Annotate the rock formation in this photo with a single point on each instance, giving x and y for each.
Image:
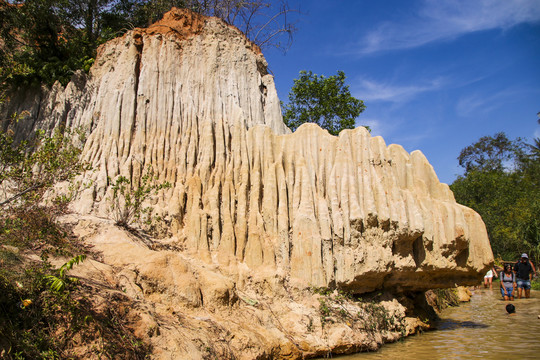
(190, 97)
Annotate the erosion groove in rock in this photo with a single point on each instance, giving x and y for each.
(190, 97)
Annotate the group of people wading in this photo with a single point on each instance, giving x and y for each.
(514, 277)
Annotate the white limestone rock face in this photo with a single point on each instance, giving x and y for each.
(190, 97)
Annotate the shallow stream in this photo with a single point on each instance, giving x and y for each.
(480, 329)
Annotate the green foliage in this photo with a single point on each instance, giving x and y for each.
(323, 308)
(368, 316)
(127, 202)
(30, 169)
(535, 284)
(44, 313)
(44, 41)
(490, 153)
(502, 183)
(379, 318)
(325, 101)
(321, 290)
(59, 282)
(37, 322)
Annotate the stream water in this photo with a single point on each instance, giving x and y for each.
(480, 329)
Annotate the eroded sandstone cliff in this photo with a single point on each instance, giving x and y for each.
(191, 98)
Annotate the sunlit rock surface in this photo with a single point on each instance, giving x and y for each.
(256, 214)
(190, 97)
(253, 208)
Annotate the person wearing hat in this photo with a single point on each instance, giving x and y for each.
(524, 272)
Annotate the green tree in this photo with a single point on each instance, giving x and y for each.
(44, 41)
(47, 40)
(502, 183)
(491, 153)
(325, 101)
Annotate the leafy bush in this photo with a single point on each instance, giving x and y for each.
(127, 202)
(37, 322)
(535, 284)
(31, 168)
(371, 317)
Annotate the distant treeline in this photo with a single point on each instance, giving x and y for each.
(502, 183)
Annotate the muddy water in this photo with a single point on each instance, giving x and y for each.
(480, 329)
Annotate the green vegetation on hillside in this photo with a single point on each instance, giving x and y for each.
(43, 41)
(502, 183)
(44, 312)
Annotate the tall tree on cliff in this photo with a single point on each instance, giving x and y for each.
(325, 101)
(87, 15)
(502, 183)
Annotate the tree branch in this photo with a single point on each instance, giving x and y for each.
(16, 196)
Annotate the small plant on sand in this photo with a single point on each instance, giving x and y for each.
(323, 308)
(127, 202)
(59, 282)
(370, 316)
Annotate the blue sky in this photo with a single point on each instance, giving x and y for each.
(435, 75)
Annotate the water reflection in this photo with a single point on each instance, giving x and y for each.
(452, 324)
(480, 329)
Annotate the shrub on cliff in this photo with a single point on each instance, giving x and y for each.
(30, 168)
(127, 201)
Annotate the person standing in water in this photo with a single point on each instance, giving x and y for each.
(508, 283)
(488, 279)
(524, 273)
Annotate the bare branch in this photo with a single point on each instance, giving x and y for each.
(252, 17)
(18, 195)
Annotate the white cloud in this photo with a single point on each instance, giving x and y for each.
(476, 103)
(471, 104)
(369, 90)
(439, 20)
(377, 127)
